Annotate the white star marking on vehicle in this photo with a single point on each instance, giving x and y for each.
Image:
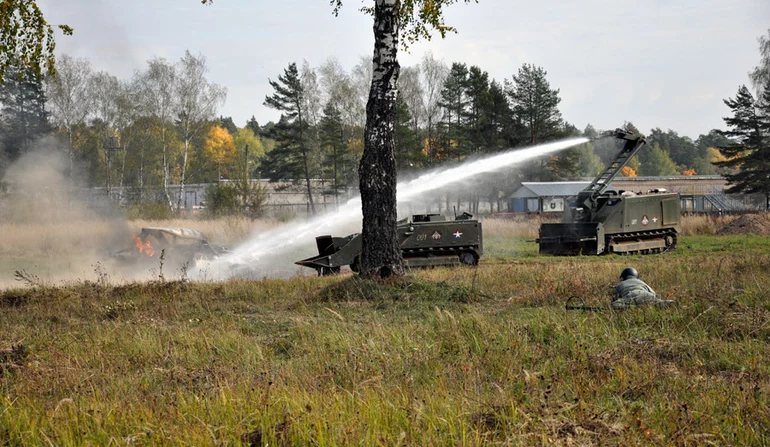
(457, 234)
(655, 219)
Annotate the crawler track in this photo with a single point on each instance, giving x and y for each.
(668, 238)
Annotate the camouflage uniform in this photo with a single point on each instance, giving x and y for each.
(634, 291)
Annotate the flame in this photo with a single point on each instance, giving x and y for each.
(143, 246)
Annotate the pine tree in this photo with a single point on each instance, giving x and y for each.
(290, 133)
(285, 161)
(254, 126)
(476, 116)
(228, 123)
(565, 166)
(338, 161)
(454, 102)
(23, 118)
(407, 143)
(750, 151)
(535, 104)
(500, 119)
(682, 150)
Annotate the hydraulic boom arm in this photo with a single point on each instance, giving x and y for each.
(633, 142)
(632, 145)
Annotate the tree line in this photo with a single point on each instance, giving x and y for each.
(161, 127)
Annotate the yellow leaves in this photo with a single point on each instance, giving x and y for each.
(26, 39)
(432, 148)
(688, 172)
(356, 146)
(220, 146)
(628, 171)
(714, 155)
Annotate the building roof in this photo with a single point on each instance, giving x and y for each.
(549, 189)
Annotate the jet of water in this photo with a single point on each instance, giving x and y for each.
(268, 253)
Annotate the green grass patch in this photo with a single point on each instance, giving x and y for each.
(460, 356)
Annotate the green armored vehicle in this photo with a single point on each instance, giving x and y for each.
(425, 240)
(605, 221)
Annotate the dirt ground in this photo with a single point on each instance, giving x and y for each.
(749, 224)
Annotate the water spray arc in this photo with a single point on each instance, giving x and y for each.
(262, 253)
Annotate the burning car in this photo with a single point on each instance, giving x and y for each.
(179, 245)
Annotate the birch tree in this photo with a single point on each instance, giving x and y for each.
(760, 75)
(106, 92)
(338, 89)
(157, 89)
(197, 101)
(26, 39)
(393, 19)
(410, 87)
(126, 117)
(70, 99)
(362, 83)
(433, 75)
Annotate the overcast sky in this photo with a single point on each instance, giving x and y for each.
(656, 63)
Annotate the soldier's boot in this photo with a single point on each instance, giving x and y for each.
(621, 304)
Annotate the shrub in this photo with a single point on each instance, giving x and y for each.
(240, 198)
(222, 200)
(149, 211)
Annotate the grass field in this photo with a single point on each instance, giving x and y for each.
(464, 356)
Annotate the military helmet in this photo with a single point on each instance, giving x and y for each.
(628, 272)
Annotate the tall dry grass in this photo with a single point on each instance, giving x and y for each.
(524, 228)
(65, 238)
(705, 224)
(77, 237)
(464, 356)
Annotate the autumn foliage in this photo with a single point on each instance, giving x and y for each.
(220, 146)
(628, 171)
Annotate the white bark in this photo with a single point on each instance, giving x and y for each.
(69, 98)
(380, 254)
(197, 101)
(434, 74)
(156, 92)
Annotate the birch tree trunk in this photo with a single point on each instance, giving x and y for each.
(166, 169)
(381, 255)
(183, 180)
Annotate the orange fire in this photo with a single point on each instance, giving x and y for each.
(143, 246)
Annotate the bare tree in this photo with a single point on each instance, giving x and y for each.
(411, 91)
(70, 99)
(338, 89)
(312, 96)
(433, 73)
(760, 75)
(106, 90)
(156, 88)
(362, 82)
(197, 101)
(332, 77)
(127, 112)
